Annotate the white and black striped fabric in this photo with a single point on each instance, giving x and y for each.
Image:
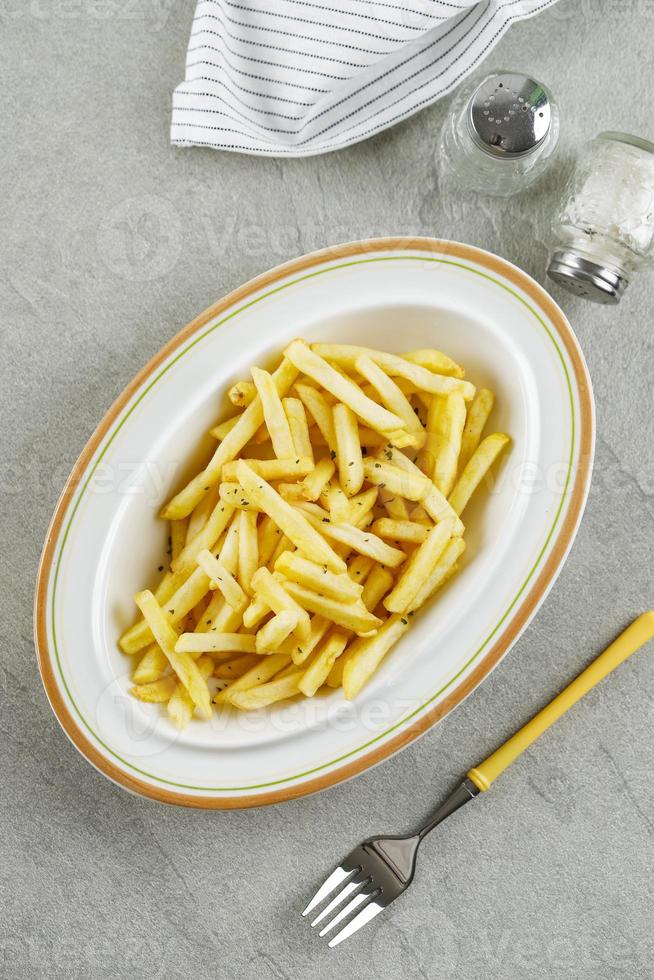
(299, 77)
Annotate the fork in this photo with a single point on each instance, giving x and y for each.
(380, 869)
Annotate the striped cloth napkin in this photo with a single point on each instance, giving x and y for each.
(299, 77)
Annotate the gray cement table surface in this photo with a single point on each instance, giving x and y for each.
(548, 876)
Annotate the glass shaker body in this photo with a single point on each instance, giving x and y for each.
(605, 229)
(499, 134)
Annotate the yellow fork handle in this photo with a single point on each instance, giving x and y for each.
(640, 631)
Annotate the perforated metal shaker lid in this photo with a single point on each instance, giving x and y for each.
(586, 278)
(509, 114)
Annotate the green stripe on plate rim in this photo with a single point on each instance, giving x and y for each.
(475, 655)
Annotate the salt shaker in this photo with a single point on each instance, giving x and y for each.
(605, 228)
(500, 134)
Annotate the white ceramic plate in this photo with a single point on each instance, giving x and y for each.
(105, 541)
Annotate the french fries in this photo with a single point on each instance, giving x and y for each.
(419, 566)
(183, 503)
(301, 552)
(478, 412)
(445, 421)
(293, 524)
(476, 469)
(273, 414)
(297, 420)
(183, 665)
(215, 643)
(348, 450)
(345, 390)
(317, 577)
(399, 367)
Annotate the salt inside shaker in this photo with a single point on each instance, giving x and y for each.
(499, 134)
(605, 229)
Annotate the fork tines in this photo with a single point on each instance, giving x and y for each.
(354, 900)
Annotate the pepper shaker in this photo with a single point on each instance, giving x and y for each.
(500, 134)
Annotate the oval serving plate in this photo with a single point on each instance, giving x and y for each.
(105, 541)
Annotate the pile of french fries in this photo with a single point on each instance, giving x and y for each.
(328, 515)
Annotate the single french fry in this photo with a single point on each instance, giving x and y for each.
(378, 583)
(255, 612)
(178, 531)
(236, 496)
(359, 568)
(297, 420)
(445, 421)
(284, 544)
(291, 468)
(274, 414)
(290, 491)
(196, 614)
(223, 429)
(170, 581)
(218, 520)
(213, 612)
(262, 436)
(404, 483)
(391, 395)
(343, 388)
(242, 393)
(439, 574)
(156, 692)
(248, 550)
(335, 675)
(476, 469)
(231, 669)
(228, 554)
(400, 530)
(365, 655)
(183, 502)
(257, 675)
(294, 524)
(419, 567)
(151, 666)
(179, 604)
(317, 671)
(183, 664)
(363, 542)
(339, 508)
(225, 620)
(269, 534)
(222, 579)
(316, 481)
(180, 708)
(199, 517)
(370, 439)
(348, 449)
(362, 504)
(320, 411)
(270, 637)
(436, 361)
(425, 380)
(296, 568)
(272, 590)
(215, 643)
(353, 616)
(478, 412)
(265, 694)
(394, 505)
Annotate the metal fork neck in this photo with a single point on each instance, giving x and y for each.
(464, 792)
